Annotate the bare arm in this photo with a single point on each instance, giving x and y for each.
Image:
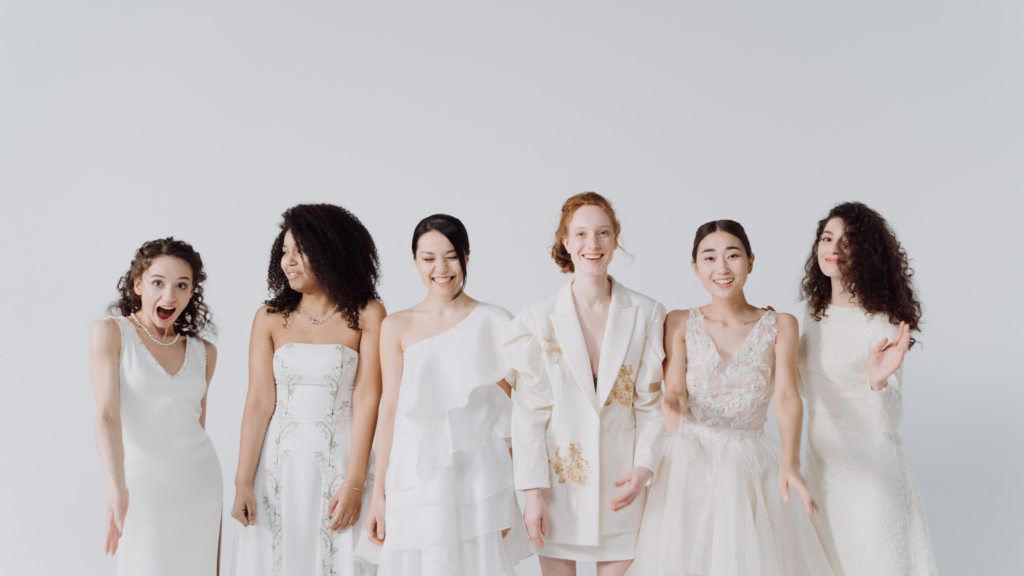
(391, 364)
(259, 408)
(211, 365)
(674, 405)
(789, 409)
(104, 355)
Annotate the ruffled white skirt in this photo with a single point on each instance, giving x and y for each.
(716, 510)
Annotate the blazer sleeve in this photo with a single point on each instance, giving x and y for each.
(531, 403)
(650, 425)
(887, 403)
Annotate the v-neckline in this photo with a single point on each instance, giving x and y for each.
(714, 344)
(188, 346)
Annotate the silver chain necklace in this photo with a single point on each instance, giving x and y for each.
(322, 320)
(139, 324)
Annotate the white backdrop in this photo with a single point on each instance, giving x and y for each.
(121, 123)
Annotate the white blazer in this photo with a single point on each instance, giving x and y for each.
(571, 440)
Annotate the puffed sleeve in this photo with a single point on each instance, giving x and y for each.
(531, 403)
(887, 403)
(650, 425)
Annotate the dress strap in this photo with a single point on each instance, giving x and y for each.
(123, 326)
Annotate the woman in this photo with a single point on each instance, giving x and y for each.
(861, 308)
(151, 386)
(444, 500)
(314, 388)
(721, 504)
(585, 421)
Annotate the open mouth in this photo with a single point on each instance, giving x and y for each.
(724, 283)
(443, 280)
(832, 261)
(592, 257)
(164, 314)
(292, 275)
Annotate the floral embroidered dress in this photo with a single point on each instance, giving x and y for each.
(715, 509)
(872, 521)
(448, 487)
(303, 463)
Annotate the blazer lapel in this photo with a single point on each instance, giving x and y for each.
(617, 336)
(570, 337)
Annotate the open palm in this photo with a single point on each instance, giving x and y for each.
(885, 357)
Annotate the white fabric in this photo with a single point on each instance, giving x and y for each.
(872, 521)
(448, 489)
(572, 441)
(171, 470)
(715, 509)
(303, 463)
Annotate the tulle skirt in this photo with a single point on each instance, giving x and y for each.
(716, 510)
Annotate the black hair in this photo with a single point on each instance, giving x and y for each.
(341, 253)
(727, 226)
(454, 231)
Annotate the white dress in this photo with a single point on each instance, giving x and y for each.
(715, 508)
(872, 521)
(303, 463)
(175, 490)
(449, 481)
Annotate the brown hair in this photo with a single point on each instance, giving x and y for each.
(728, 226)
(569, 207)
(196, 319)
(875, 268)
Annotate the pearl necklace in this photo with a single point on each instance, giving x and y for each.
(139, 324)
(322, 320)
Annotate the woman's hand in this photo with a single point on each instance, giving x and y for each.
(536, 517)
(244, 508)
(637, 479)
(885, 357)
(789, 477)
(343, 511)
(117, 509)
(673, 407)
(375, 520)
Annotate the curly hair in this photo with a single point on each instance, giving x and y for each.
(569, 207)
(341, 253)
(875, 268)
(455, 231)
(196, 319)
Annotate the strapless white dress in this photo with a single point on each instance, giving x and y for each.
(303, 463)
(715, 508)
(175, 489)
(449, 482)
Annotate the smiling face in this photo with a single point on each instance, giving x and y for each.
(438, 264)
(829, 248)
(165, 288)
(296, 266)
(591, 241)
(722, 264)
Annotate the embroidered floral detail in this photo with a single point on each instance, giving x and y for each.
(549, 346)
(622, 392)
(572, 467)
(275, 470)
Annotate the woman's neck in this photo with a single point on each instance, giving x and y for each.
(840, 297)
(591, 292)
(317, 304)
(443, 305)
(730, 311)
(146, 321)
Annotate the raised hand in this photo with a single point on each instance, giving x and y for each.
(789, 477)
(885, 357)
(117, 509)
(536, 517)
(637, 479)
(374, 522)
(343, 510)
(244, 508)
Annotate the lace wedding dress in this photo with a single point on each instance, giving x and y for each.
(871, 522)
(715, 508)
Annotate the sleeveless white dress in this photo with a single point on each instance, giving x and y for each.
(175, 490)
(872, 521)
(715, 508)
(303, 463)
(449, 482)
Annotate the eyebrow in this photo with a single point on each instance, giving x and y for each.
(828, 232)
(432, 254)
(712, 249)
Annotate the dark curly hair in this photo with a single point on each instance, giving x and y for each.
(341, 253)
(196, 319)
(875, 268)
(455, 231)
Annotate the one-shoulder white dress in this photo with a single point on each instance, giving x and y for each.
(175, 489)
(715, 508)
(303, 463)
(449, 487)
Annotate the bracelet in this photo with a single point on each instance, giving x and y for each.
(351, 487)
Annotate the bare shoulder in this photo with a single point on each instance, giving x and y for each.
(396, 322)
(211, 350)
(105, 336)
(787, 322)
(676, 320)
(372, 315)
